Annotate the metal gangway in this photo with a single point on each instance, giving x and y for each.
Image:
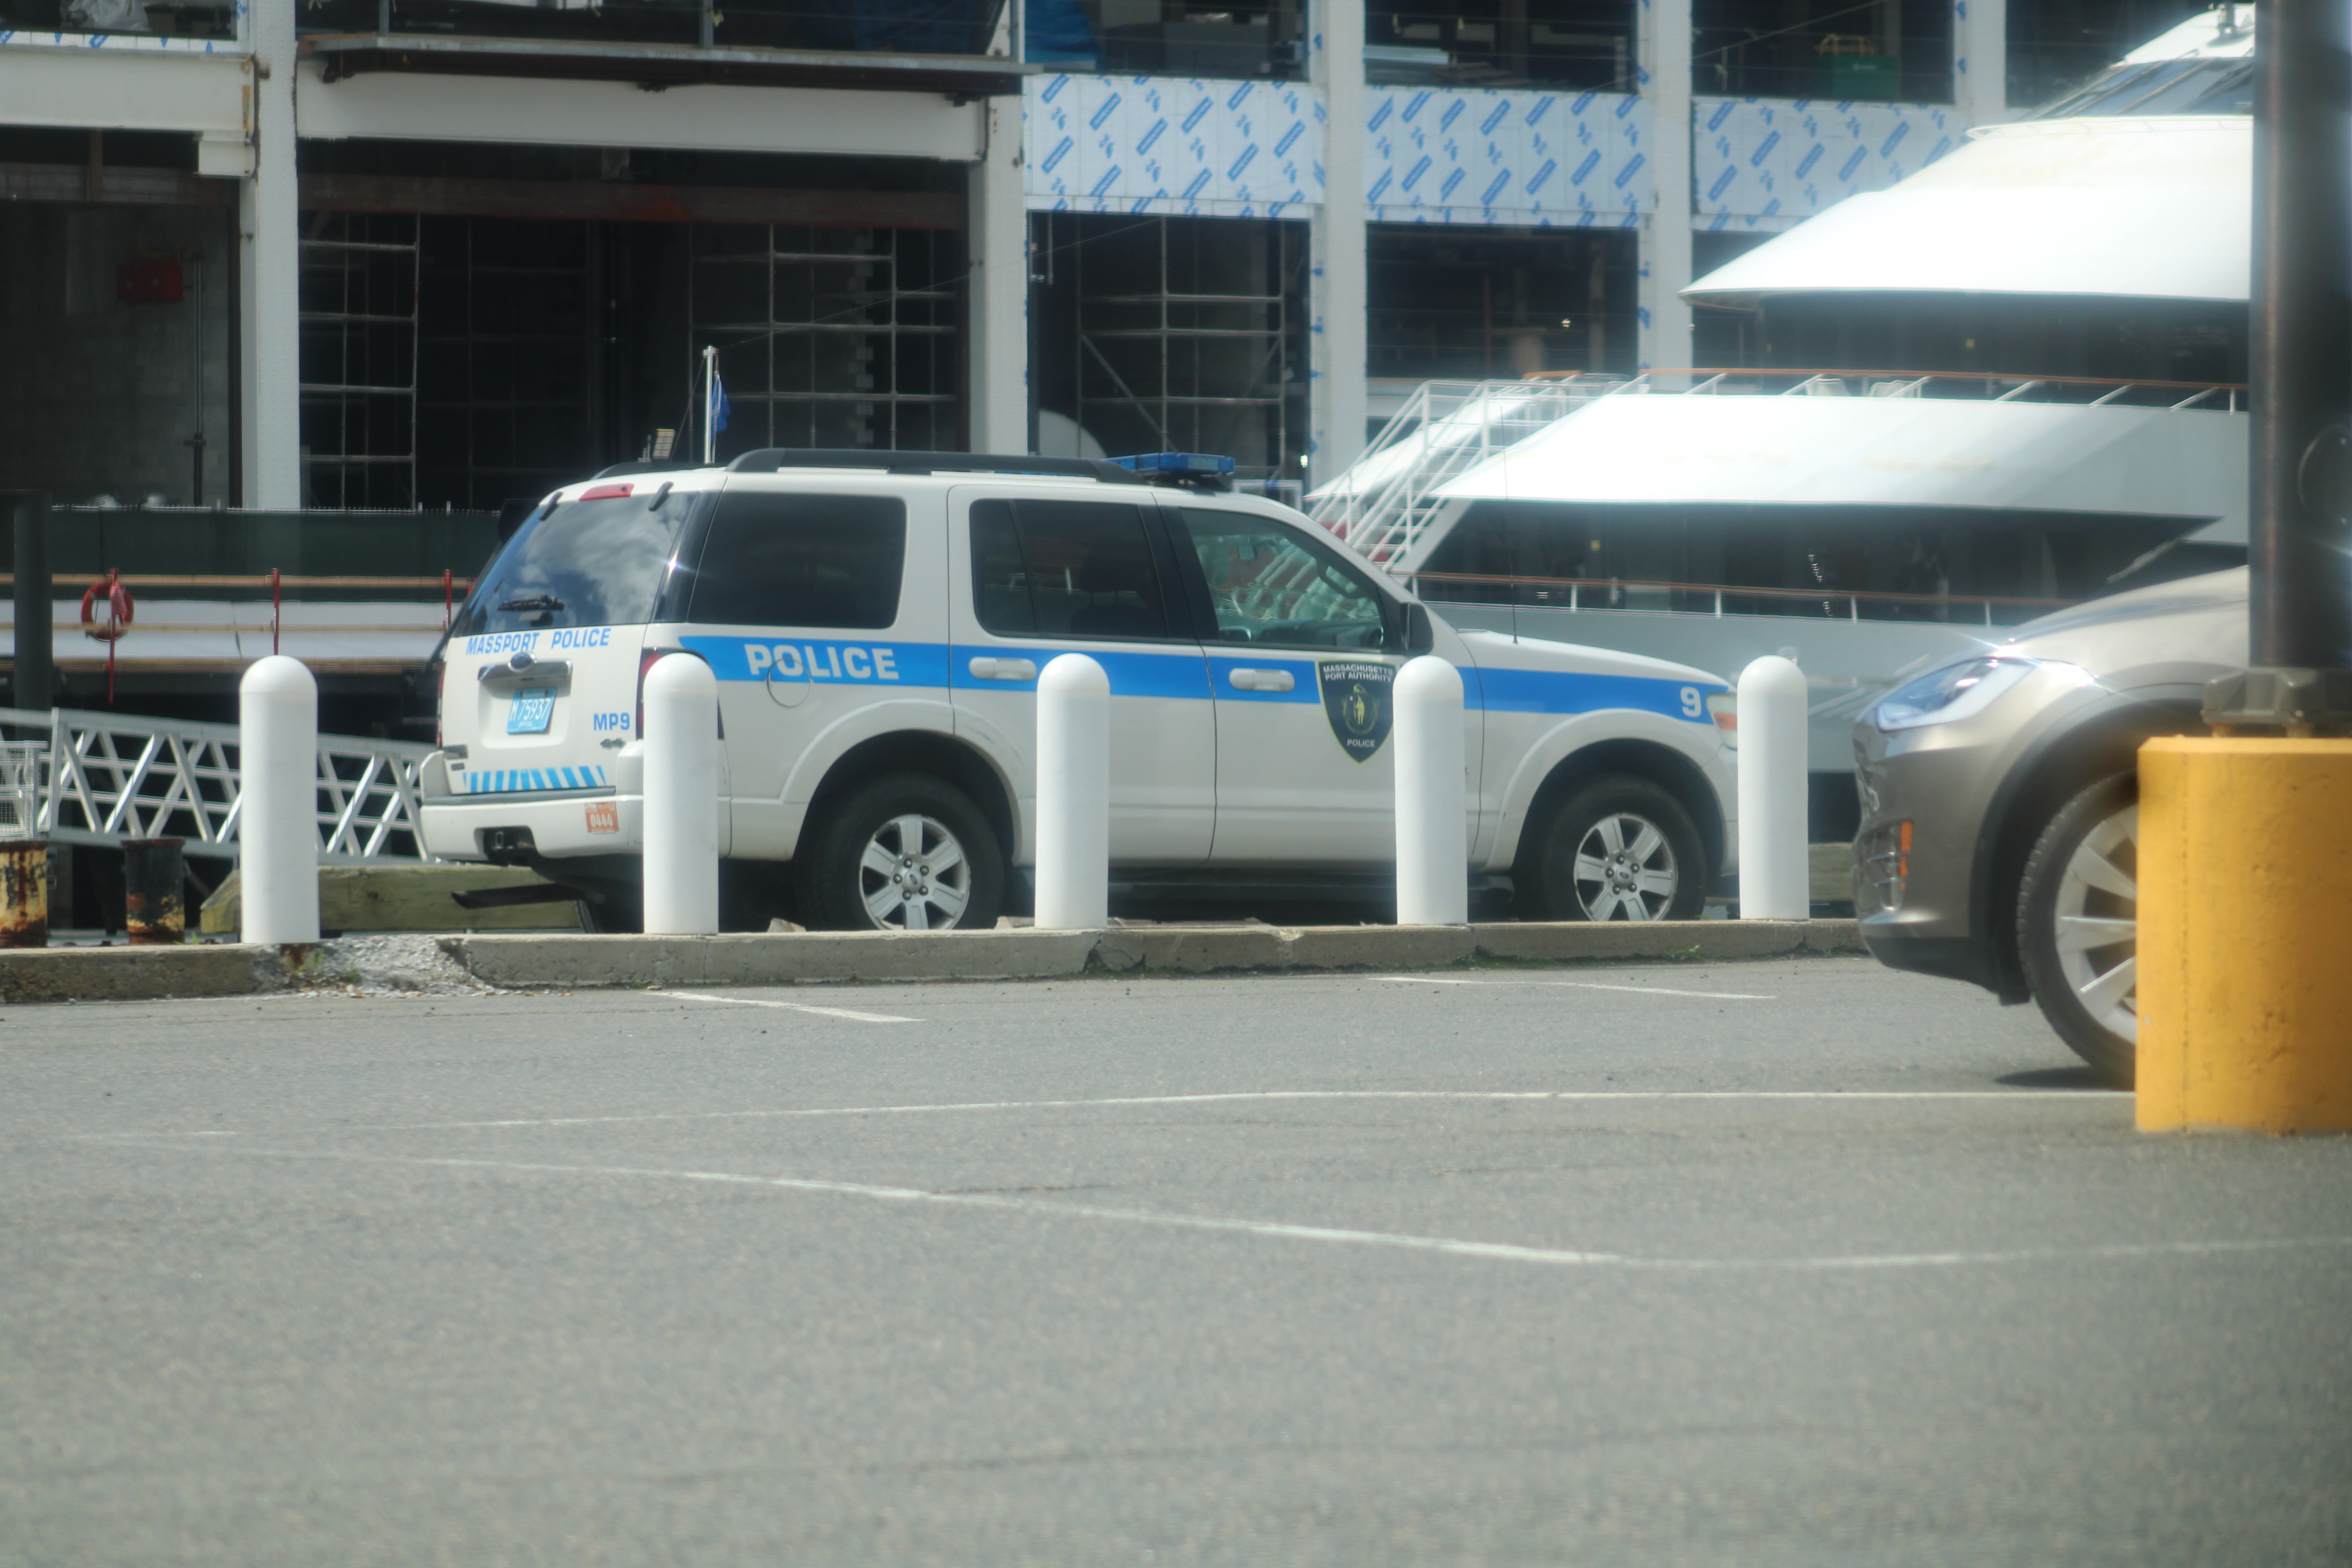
(100, 778)
(1380, 506)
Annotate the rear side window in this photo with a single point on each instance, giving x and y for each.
(580, 563)
(802, 561)
(1065, 569)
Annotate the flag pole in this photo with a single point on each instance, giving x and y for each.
(709, 379)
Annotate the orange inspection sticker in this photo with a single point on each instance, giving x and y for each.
(603, 817)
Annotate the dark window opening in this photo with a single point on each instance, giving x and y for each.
(802, 560)
(1446, 304)
(1254, 39)
(1065, 569)
(1894, 50)
(1501, 43)
(895, 26)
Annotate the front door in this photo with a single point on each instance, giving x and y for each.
(1034, 576)
(1306, 659)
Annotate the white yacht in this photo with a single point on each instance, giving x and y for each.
(2012, 382)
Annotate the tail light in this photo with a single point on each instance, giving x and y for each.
(646, 661)
(1722, 707)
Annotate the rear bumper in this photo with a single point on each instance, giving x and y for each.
(560, 824)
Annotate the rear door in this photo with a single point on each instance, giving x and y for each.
(1035, 576)
(540, 683)
(819, 614)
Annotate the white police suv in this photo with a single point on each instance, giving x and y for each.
(876, 621)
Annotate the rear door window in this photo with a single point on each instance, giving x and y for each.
(834, 561)
(580, 563)
(1065, 569)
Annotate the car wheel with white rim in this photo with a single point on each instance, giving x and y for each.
(908, 852)
(1619, 848)
(2078, 925)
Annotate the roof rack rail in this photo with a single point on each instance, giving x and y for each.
(649, 466)
(769, 459)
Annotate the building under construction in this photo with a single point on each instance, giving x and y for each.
(386, 256)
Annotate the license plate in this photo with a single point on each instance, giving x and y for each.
(532, 711)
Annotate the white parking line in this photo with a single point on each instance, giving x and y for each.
(794, 1007)
(1577, 986)
(1562, 1096)
(1505, 1252)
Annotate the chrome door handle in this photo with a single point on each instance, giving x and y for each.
(1004, 669)
(1261, 679)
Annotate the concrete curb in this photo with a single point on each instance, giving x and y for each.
(579, 962)
(140, 973)
(565, 962)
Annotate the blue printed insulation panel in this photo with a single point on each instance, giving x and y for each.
(1766, 162)
(1169, 145)
(1496, 156)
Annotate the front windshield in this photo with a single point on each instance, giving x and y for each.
(2161, 87)
(580, 563)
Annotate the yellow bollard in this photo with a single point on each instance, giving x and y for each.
(2245, 934)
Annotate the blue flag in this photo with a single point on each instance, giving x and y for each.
(719, 407)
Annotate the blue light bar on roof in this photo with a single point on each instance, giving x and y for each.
(1177, 463)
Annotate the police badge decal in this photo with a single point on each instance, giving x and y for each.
(1356, 700)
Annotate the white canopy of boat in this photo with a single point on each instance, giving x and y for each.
(2155, 207)
(1883, 452)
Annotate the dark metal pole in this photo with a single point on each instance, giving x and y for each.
(36, 642)
(2302, 600)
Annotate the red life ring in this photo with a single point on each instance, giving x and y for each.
(119, 609)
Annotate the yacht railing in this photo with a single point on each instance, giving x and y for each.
(2087, 390)
(1608, 593)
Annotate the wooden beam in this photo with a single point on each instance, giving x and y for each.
(617, 201)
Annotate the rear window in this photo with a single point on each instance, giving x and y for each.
(1065, 569)
(802, 561)
(580, 563)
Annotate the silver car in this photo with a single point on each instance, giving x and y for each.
(2000, 802)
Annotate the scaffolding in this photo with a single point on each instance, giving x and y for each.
(1185, 336)
(358, 309)
(840, 338)
(510, 371)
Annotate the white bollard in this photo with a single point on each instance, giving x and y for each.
(1433, 847)
(1775, 878)
(278, 813)
(681, 873)
(1073, 795)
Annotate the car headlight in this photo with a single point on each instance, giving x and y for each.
(1956, 691)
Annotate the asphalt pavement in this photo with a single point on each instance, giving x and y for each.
(1776, 1263)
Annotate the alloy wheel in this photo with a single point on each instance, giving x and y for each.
(914, 875)
(1625, 870)
(2097, 923)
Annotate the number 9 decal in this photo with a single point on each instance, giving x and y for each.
(1692, 706)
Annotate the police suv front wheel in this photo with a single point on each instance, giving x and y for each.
(1618, 848)
(906, 852)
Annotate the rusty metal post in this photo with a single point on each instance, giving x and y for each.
(23, 892)
(154, 903)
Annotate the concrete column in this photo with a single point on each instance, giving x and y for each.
(1981, 60)
(997, 238)
(268, 275)
(1336, 304)
(1664, 46)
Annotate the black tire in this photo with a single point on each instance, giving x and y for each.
(1667, 880)
(836, 882)
(2086, 987)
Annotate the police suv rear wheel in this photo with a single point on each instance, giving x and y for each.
(908, 852)
(1619, 848)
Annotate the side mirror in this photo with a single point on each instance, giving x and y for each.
(1420, 636)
